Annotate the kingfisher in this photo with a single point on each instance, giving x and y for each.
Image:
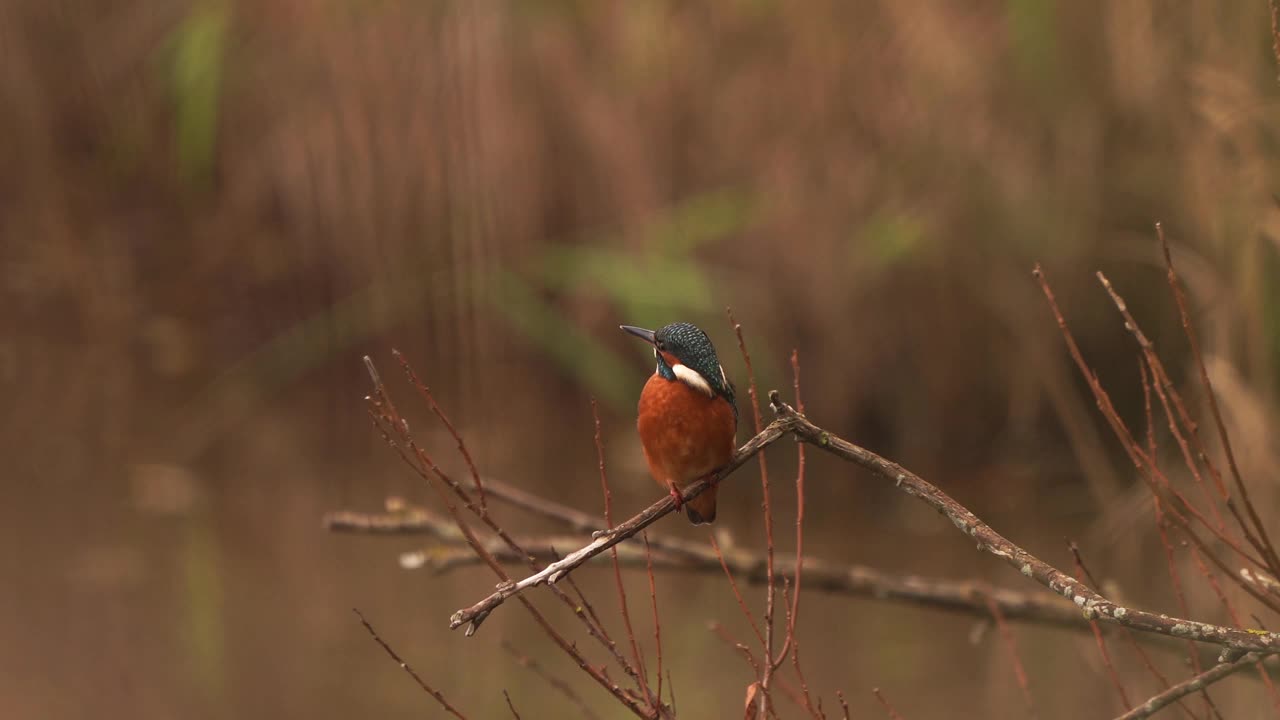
(687, 419)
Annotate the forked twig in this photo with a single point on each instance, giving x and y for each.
(1268, 550)
(395, 430)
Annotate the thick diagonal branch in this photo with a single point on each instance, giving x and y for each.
(607, 539)
(1092, 605)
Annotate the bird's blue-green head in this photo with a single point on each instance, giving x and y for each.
(685, 353)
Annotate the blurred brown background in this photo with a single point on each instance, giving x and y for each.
(209, 211)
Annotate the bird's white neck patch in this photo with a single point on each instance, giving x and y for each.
(693, 379)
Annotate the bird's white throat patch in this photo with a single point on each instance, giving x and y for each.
(693, 379)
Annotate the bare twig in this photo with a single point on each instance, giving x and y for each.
(794, 613)
(771, 663)
(425, 392)
(1268, 550)
(557, 683)
(405, 666)
(1019, 672)
(1186, 687)
(787, 689)
(657, 619)
(510, 706)
(613, 552)
(814, 712)
(1097, 632)
(1162, 384)
(723, 633)
(1150, 472)
(893, 713)
(1161, 525)
(844, 705)
(737, 594)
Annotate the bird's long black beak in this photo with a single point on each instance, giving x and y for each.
(645, 335)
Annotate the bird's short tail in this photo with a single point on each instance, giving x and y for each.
(702, 509)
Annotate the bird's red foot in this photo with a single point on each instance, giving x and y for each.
(675, 495)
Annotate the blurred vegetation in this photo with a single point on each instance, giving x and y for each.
(196, 58)
(667, 280)
(209, 210)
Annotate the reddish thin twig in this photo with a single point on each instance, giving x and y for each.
(557, 683)
(844, 706)
(737, 594)
(1183, 608)
(657, 621)
(768, 514)
(794, 613)
(1161, 385)
(457, 437)
(510, 706)
(893, 713)
(1164, 383)
(1187, 457)
(1268, 550)
(388, 420)
(1150, 473)
(1097, 631)
(723, 633)
(727, 638)
(814, 712)
(405, 666)
(636, 655)
(588, 608)
(592, 624)
(1192, 654)
(1012, 645)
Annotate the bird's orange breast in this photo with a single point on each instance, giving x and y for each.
(685, 433)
